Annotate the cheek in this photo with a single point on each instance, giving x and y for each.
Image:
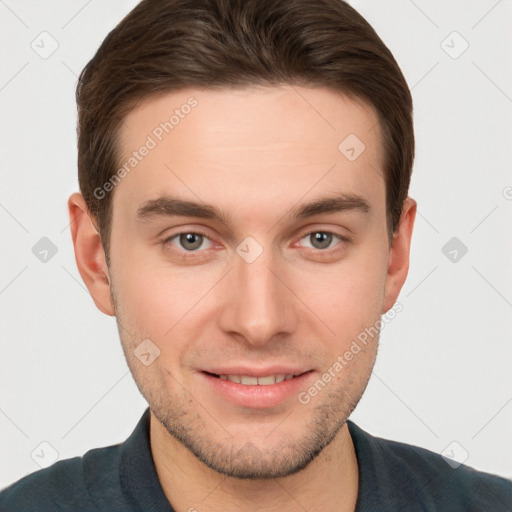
(347, 296)
(158, 301)
(145, 297)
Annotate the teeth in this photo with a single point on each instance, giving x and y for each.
(266, 381)
(247, 380)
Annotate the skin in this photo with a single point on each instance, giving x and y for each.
(254, 153)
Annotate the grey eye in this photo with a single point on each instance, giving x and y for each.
(320, 239)
(191, 241)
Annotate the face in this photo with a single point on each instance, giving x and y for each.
(277, 266)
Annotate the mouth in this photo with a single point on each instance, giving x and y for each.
(263, 389)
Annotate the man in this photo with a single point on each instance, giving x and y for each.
(244, 169)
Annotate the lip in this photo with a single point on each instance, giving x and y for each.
(256, 396)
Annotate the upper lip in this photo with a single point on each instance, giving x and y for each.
(257, 372)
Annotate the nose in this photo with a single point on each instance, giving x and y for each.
(257, 304)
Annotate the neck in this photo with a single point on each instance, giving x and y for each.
(329, 482)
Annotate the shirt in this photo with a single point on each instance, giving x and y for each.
(393, 476)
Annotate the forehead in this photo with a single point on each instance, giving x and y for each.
(271, 144)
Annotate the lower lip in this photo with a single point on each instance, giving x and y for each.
(257, 396)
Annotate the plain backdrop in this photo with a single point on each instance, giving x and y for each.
(442, 379)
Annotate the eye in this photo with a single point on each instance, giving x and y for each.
(322, 240)
(189, 241)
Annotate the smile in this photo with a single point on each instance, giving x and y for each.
(268, 388)
(248, 380)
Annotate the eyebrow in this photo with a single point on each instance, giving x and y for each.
(167, 206)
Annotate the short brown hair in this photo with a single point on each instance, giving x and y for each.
(166, 45)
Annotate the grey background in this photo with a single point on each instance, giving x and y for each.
(443, 371)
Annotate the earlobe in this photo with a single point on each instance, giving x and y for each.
(89, 253)
(398, 262)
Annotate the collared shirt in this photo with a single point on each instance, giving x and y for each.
(392, 477)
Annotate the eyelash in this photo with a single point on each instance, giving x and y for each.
(192, 254)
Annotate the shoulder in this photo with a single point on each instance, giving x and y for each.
(434, 476)
(428, 478)
(70, 484)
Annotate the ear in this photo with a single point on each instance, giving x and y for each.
(89, 253)
(398, 261)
